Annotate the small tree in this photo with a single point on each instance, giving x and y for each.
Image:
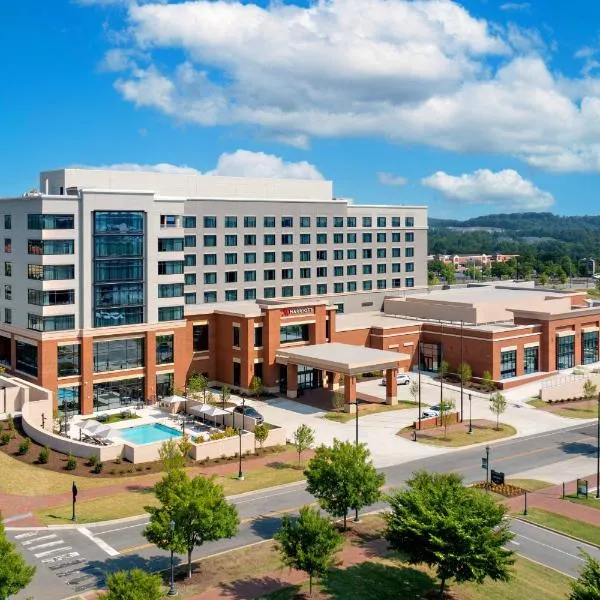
(225, 395)
(133, 585)
(587, 587)
(413, 390)
(459, 531)
(543, 279)
(590, 389)
(304, 439)
(15, 573)
(487, 382)
(465, 373)
(498, 405)
(261, 433)
(443, 370)
(446, 412)
(198, 384)
(184, 446)
(256, 387)
(170, 456)
(342, 477)
(308, 544)
(197, 507)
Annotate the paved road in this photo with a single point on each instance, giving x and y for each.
(113, 546)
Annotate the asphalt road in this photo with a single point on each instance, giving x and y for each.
(76, 559)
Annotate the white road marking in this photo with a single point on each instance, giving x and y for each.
(99, 542)
(48, 552)
(25, 535)
(46, 545)
(60, 557)
(264, 497)
(123, 528)
(551, 547)
(38, 539)
(515, 543)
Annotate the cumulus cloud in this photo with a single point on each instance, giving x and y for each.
(505, 190)
(419, 71)
(391, 179)
(515, 6)
(241, 163)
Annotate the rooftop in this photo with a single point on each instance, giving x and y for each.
(365, 320)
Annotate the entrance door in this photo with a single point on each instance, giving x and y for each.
(283, 379)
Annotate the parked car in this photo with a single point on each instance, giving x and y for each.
(432, 411)
(248, 411)
(401, 379)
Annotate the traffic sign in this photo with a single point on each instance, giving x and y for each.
(484, 463)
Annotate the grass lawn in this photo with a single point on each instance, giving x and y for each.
(581, 409)
(381, 578)
(578, 529)
(531, 485)
(128, 504)
(483, 431)
(591, 500)
(368, 409)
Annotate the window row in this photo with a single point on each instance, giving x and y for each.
(287, 239)
(54, 323)
(508, 362)
(49, 247)
(233, 221)
(49, 298)
(50, 221)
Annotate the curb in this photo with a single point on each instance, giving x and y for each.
(567, 535)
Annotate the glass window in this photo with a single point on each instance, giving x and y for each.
(508, 364)
(381, 253)
(165, 267)
(68, 401)
(170, 313)
(409, 252)
(269, 257)
(50, 221)
(381, 238)
(294, 333)
(287, 273)
(7, 222)
(409, 282)
(589, 350)
(287, 221)
(351, 222)
(338, 271)
(110, 395)
(532, 360)
(351, 238)
(396, 252)
(367, 238)
(367, 285)
(351, 253)
(231, 240)
(190, 260)
(269, 292)
(409, 222)
(321, 288)
(287, 257)
(8, 292)
(250, 240)
(210, 241)
(381, 284)
(258, 337)
(231, 295)
(170, 290)
(269, 274)
(200, 337)
(367, 269)
(118, 246)
(396, 267)
(409, 236)
(409, 267)
(249, 258)
(321, 221)
(381, 221)
(231, 258)
(169, 221)
(396, 283)
(338, 255)
(230, 222)
(305, 290)
(7, 245)
(50, 273)
(304, 221)
(321, 254)
(68, 360)
(236, 336)
(249, 221)
(269, 239)
(351, 270)
(249, 275)
(338, 288)
(305, 238)
(210, 297)
(430, 357)
(164, 384)
(27, 358)
(287, 239)
(305, 273)
(50, 298)
(119, 222)
(367, 221)
(121, 315)
(117, 295)
(321, 238)
(321, 271)
(338, 221)
(190, 279)
(305, 255)
(170, 244)
(50, 247)
(395, 221)
(367, 253)
(269, 222)
(250, 294)
(210, 278)
(55, 323)
(189, 241)
(189, 222)
(287, 291)
(351, 286)
(210, 222)
(338, 238)
(381, 268)
(165, 352)
(231, 276)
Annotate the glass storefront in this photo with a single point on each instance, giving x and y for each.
(27, 358)
(68, 360)
(589, 347)
(164, 384)
(565, 351)
(69, 401)
(430, 356)
(508, 364)
(115, 355)
(109, 395)
(165, 352)
(532, 360)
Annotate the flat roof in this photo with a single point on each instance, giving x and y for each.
(242, 309)
(366, 320)
(341, 358)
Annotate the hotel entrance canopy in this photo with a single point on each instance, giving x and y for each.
(344, 359)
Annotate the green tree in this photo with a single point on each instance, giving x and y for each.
(446, 412)
(464, 372)
(15, 573)
(304, 439)
(487, 382)
(543, 279)
(449, 274)
(590, 389)
(413, 389)
(587, 587)
(342, 477)
(498, 405)
(225, 395)
(256, 387)
(171, 456)
(261, 433)
(308, 544)
(197, 507)
(133, 585)
(198, 384)
(459, 531)
(443, 369)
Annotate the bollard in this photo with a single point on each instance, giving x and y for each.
(563, 490)
(525, 511)
(414, 436)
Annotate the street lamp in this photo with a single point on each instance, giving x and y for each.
(598, 453)
(172, 590)
(470, 420)
(241, 473)
(462, 366)
(356, 519)
(441, 362)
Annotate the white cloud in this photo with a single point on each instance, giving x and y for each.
(515, 6)
(506, 190)
(241, 163)
(391, 179)
(411, 71)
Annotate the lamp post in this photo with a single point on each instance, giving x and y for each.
(462, 366)
(470, 420)
(441, 363)
(598, 452)
(419, 388)
(356, 519)
(172, 590)
(487, 464)
(241, 473)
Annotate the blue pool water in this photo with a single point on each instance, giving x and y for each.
(146, 434)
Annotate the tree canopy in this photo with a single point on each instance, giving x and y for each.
(133, 585)
(587, 587)
(458, 531)
(15, 573)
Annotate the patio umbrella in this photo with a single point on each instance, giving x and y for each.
(104, 433)
(215, 411)
(90, 426)
(201, 409)
(174, 399)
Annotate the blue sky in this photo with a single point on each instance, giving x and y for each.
(472, 108)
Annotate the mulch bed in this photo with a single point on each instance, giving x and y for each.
(113, 469)
(507, 490)
(438, 432)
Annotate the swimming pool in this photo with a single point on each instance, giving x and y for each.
(146, 434)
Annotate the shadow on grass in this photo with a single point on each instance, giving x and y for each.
(259, 587)
(279, 465)
(375, 581)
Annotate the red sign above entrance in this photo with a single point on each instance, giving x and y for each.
(297, 310)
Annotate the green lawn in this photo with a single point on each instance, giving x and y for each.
(531, 485)
(368, 409)
(585, 409)
(381, 579)
(579, 529)
(591, 500)
(483, 431)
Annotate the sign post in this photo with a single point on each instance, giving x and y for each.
(582, 487)
(74, 491)
(485, 464)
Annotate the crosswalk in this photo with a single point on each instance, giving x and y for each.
(61, 559)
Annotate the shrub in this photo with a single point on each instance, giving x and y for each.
(71, 463)
(93, 460)
(10, 422)
(5, 437)
(43, 456)
(229, 431)
(148, 467)
(98, 466)
(113, 471)
(24, 446)
(223, 457)
(118, 460)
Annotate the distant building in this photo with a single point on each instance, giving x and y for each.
(462, 262)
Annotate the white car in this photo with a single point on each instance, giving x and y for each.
(401, 379)
(432, 411)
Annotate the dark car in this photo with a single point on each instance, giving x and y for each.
(248, 411)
